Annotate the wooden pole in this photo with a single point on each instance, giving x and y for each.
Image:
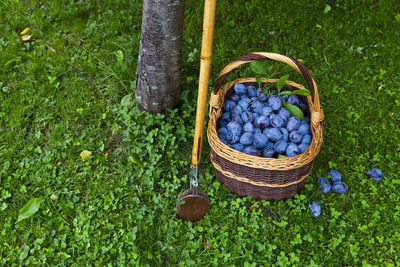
(205, 66)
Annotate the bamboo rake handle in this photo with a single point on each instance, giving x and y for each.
(205, 66)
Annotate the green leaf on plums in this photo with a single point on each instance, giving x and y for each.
(293, 110)
(282, 156)
(303, 92)
(281, 82)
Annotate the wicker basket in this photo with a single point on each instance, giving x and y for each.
(257, 177)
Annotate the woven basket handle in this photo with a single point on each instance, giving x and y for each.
(317, 114)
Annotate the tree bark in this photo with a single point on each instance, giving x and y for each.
(158, 74)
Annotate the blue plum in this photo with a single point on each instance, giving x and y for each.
(274, 134)
(238, 110)
(233, 135)
(247, 139)
(238, 147)
(225, 119)
(251, 150)
(293, 100)
(304, 128)
(375, 174)
(260, 140)
(280, 146)
(339, 187)
(244, 104)
(306, 139)
(266, 111)
(274, 102)
(240, 89)
(248, 127)
(303, 147)
(233, 125)
(293, 124)
(247, 116)
(235, 98)
(324, 185)
(292, 150)
(237, 118)
(284, 113)
(257, 106)
(285, 97)
(276, 121)
(295, 137)
(262, 122)
(262, 97)
(315, 208)
(335, 175)
(252, 91)
(222, 132)
(229, 105)
(285, 134)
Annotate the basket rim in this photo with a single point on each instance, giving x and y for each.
(241, 158)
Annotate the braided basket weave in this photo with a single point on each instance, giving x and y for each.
(258, 177)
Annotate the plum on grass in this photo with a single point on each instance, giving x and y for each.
(260, 140)
(335, 175)
(292, 150)
(274, 102)
(375, 174)
(240, 89)
(324, 185)
(315, 208)
(339, 187)
(274, 134)
(247, 139)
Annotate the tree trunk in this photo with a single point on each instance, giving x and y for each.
(158, 72)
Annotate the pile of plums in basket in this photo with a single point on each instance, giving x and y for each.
(256, 124)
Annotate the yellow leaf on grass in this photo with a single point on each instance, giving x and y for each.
(25, 31)
(26, 37)
(85, 153)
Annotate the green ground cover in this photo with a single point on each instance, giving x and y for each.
(68, 89)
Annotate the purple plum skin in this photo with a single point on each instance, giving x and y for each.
(375, 174)
(324, 185)
(240, 89)
(315, 209)
(339, 187)
(247, 139)
(335, 175)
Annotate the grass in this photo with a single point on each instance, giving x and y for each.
(118, 207)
